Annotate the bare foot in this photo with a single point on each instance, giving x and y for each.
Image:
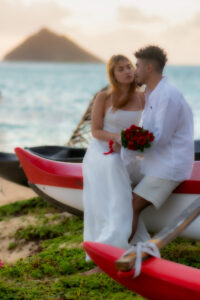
(95, 270)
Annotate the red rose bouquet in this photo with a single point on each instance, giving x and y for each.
(136, 138)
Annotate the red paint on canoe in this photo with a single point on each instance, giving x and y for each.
(40, 170)
(49, 172)
(192, 185)
(159, 278)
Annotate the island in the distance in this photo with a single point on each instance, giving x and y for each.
(49, 46)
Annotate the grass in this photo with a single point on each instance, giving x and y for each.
(54, 272)
(31, 206)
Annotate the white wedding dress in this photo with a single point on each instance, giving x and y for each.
(107, 192)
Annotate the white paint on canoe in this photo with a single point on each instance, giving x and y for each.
(154, 219)
(68, 196)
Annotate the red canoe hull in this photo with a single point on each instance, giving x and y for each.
(49, 172)
(159, 278)
(43, 171)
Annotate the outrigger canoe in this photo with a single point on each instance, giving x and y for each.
(62, 184)
(10, 167)
(159, 278)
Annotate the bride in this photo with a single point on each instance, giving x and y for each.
(107, 192)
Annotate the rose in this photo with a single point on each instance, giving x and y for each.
(136, 138)
(151, 137)
(142, 140)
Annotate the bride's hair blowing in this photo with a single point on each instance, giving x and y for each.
(114, 84)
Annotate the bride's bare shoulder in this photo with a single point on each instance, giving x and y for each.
(101, 95)
(100, 102)
(101, 98)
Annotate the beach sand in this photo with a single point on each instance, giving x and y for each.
(7, 230)
(11, 192)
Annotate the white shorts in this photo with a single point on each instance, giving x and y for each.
(155, 190)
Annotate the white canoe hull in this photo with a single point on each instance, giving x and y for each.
(154, 219)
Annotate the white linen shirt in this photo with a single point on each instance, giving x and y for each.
(170, 118)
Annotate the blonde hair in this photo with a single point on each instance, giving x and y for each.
(114, 85)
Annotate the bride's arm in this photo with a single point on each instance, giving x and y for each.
(97, 120)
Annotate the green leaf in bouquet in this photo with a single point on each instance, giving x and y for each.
(123, 139)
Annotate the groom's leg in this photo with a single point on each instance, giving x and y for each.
(138, 204)
(150, 190)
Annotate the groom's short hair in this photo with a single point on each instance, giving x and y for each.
(154, 54)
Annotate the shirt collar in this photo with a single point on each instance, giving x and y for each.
(148, 92)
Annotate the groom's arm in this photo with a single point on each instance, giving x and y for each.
(166, 120)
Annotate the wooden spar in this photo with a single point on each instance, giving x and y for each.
(165, 236)
(82, 134)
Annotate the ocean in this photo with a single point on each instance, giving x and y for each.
(41, 103)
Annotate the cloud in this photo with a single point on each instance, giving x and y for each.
(133, 15)
(113, 41)
(125, 32)
(195, 21)
(183, 42)
(18, 18)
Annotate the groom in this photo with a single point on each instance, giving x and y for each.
(169, 161)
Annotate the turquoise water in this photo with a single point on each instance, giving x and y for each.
(41, 103)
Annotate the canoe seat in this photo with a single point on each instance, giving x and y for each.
(192, 185)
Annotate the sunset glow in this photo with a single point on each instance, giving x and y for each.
(108, 26)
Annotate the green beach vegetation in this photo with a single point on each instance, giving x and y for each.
(53, 270)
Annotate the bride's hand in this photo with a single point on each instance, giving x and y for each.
(117, 147)
(117, 138)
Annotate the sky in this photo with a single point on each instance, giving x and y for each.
(107, 27)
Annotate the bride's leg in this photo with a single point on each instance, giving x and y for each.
(138, 204)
